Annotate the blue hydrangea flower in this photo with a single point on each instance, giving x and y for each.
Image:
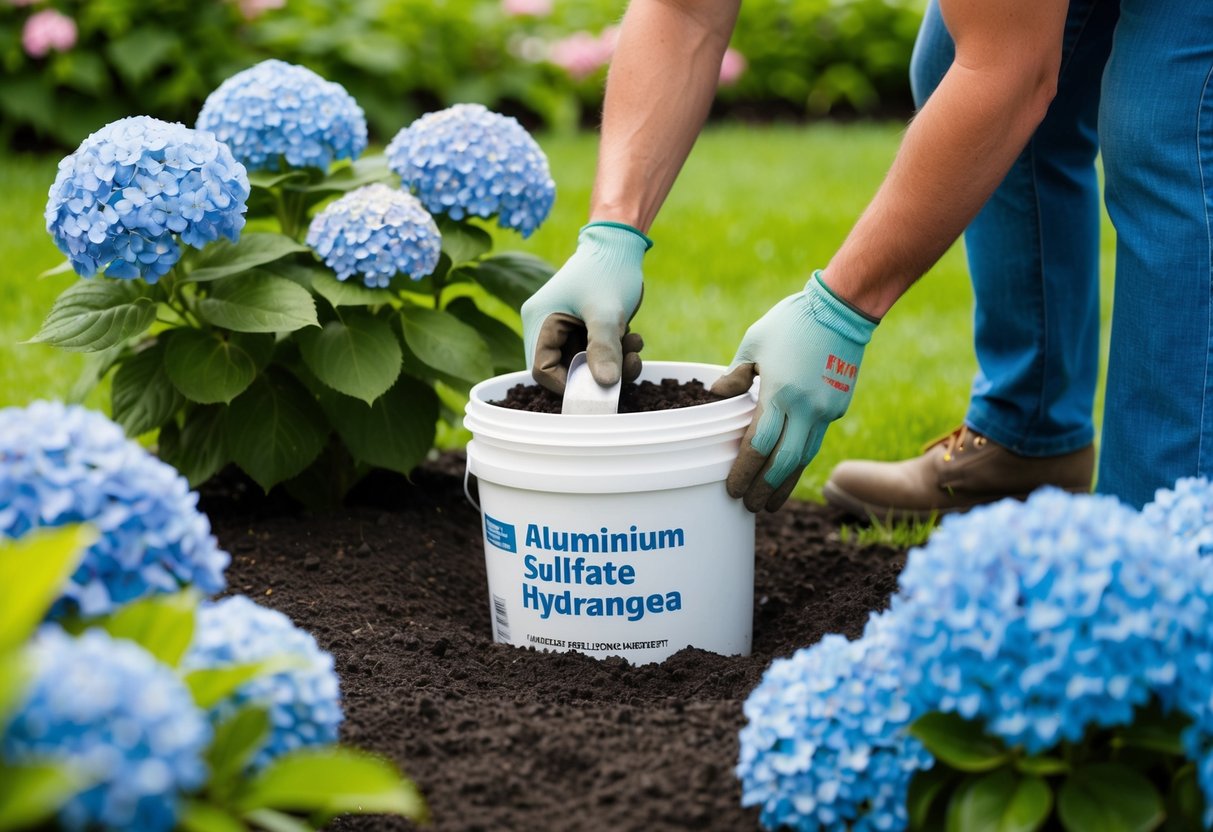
(826, 746)
(106, 707)
(304, 700)
(1186, 512)
(62, 464)
(1043, 618)
(1195, 677)
(469, 161)
(275, 111)
(136, 187)
(377, 232)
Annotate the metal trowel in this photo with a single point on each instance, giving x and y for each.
(583, 395)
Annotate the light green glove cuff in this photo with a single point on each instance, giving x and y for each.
(836, 313)
(648, 244)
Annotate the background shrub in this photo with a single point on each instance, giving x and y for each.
(401, 58)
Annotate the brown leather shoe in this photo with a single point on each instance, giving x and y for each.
(955, 473)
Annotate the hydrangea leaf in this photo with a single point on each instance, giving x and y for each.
(237, 739)
(275, 429)
(211, 685)
(1106, 797)
(143, 398)
(346, 292)
(13, 676)
(960, 743)
(273, 821)
(446, 344)
(463, 242)
(365, 171)
(197, 816)
(922, 798)
(512, 276)
(1154, 731)
(208, 368)
(162, 625)
(505, 345)
(30, 794)
(39, 565)
(1001, 801)
(266, 180)
(259, 303)
(334, 781)
(198, 450)
(93, 315)
(224, 258)
(1043, 766)
(395, 432)
(357, 354)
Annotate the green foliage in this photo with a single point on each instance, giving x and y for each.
(399, 58)
(1130, 779)
(130, 58)
(32, 573)
(253, 352)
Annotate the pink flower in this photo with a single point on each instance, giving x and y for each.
(527, 8)
(582, 54)
(252, 9)
(731, 67)
(48, 30)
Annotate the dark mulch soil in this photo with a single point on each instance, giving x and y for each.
(502, 738)
(634, 397)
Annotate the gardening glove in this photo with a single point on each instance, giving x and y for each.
(807, 350)
(587, 306)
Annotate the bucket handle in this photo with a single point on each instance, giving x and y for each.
(467, 491)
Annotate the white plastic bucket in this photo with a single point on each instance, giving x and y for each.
(612, 534)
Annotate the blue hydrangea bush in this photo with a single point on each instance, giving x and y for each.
(1043, 664)
(164, 715)
(334, 313)
(64, 465)
(303, 697)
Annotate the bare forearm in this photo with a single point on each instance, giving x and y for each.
(954, 155)
(660, 87)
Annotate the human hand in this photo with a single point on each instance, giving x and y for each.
(807, 349)
(586, 306)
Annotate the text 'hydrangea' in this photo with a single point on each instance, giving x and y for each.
(124, 199)
(1044, 618)
(108, 709)
(62, 465)
(276, 111)
(826, 745)
(304, 699)
(469, 161)
(377, 232)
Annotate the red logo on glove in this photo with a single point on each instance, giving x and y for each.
(839, 369)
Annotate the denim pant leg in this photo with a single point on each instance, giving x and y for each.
(1033, 253)
(1156, 127)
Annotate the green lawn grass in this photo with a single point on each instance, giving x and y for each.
(756, 210)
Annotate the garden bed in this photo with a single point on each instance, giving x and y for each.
(499, 737)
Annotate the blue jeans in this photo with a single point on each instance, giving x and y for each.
(1137, 81)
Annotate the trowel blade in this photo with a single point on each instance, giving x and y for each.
(585, 396)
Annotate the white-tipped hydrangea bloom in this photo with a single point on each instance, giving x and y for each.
(304, 700)
(469, 161)
(1044, 618)
(107, 708)
(377, 232)
(63, 464)
(1185, 511)
(275, 111)
(136, 187)
(826, 745)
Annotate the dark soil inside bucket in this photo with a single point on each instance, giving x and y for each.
(503, 738)
(634, 397)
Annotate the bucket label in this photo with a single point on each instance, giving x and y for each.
(500, 534)
(551, 582)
